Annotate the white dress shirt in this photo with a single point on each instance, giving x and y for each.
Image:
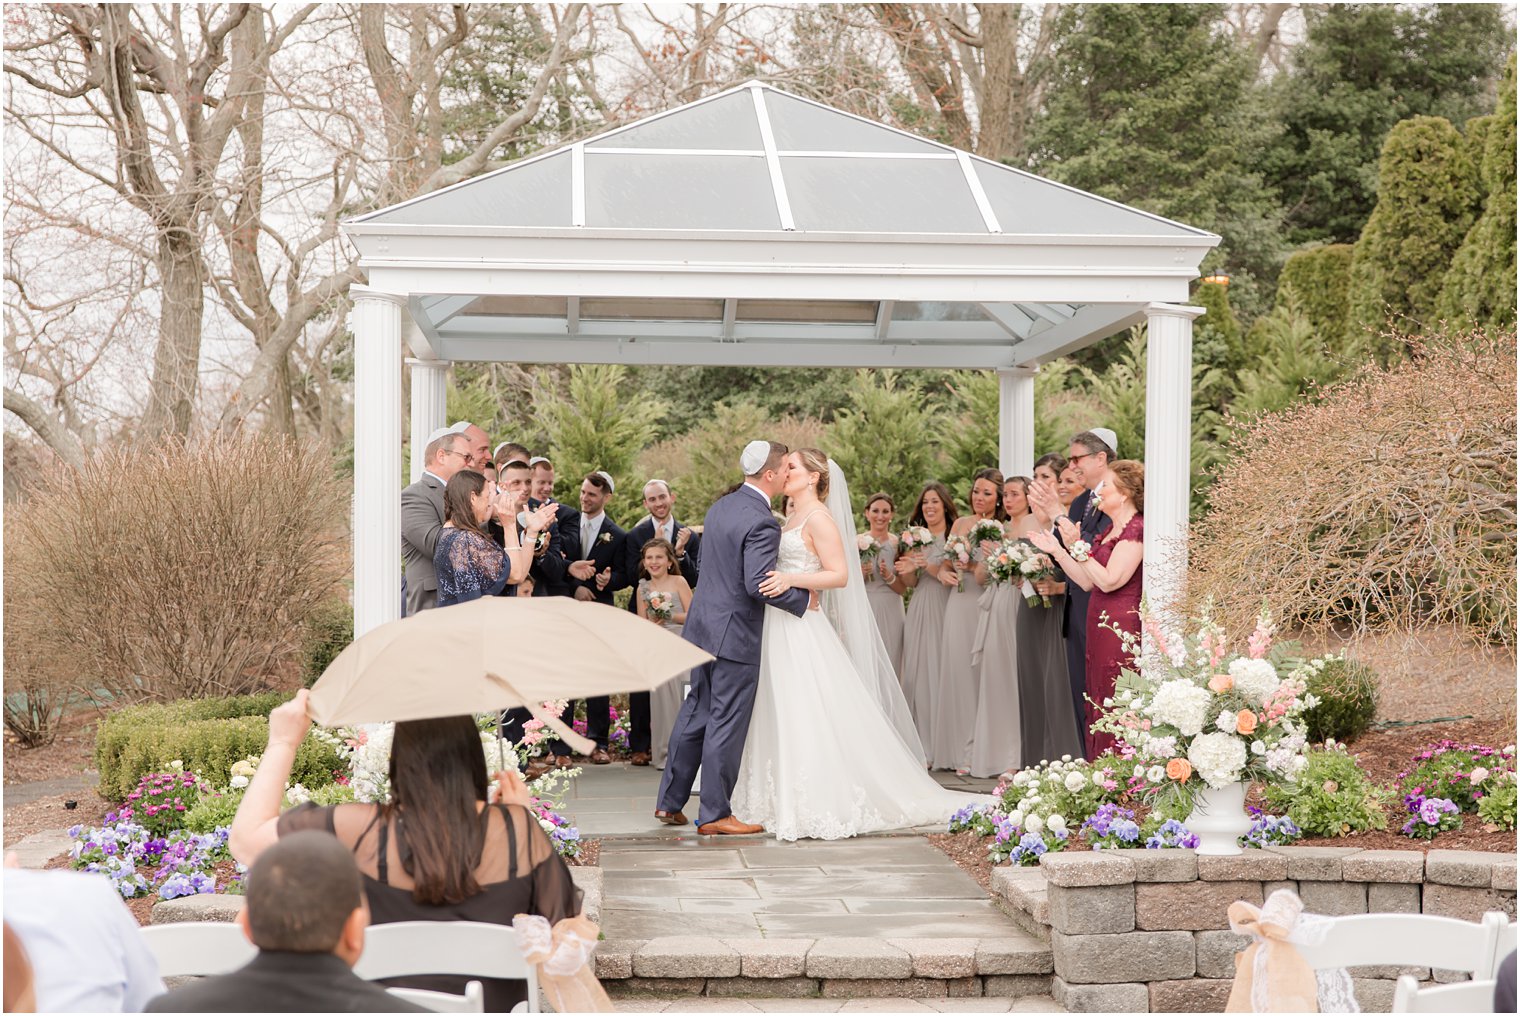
(87, 953)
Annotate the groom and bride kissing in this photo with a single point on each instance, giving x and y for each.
(799, 723)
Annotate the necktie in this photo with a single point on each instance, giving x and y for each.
(586, 538)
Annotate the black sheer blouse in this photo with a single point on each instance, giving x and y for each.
(519, 873)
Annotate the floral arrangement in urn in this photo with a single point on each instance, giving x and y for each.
(1209, 718)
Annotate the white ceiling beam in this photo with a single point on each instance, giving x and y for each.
(902, 332)
(1089, 325)
(439, 309)
(1013, 320)
(1050, 312)
(550, 349)
(418, 331)
(772, 162)
(884, 319)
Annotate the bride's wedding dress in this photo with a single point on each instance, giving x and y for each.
(823, 760)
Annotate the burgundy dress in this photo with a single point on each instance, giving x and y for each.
(1105, 654)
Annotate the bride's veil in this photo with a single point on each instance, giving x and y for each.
(850, 613)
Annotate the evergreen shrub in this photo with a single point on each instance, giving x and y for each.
(1332, 796)
(1348, 699)
(329, 630)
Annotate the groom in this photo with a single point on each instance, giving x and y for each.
(739, 541)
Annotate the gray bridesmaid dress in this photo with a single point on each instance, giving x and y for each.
(664, 701)
(1001, 727)
(921, 645)
(887, 608)
(955, 699)
(1048, 724)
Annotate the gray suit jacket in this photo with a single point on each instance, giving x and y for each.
(421, 522)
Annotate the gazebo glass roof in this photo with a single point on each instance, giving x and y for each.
(760, 227)
(756, 158)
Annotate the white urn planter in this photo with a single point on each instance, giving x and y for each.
(1219, 819)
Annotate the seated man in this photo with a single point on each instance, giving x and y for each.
(82, 943)
(306, 913)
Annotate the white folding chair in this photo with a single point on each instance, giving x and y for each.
(473, 999)
(198, 948)
(1465, 996)
(1504, 944)
(1409, 940)
(455, 948)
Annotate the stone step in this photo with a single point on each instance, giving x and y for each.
(834, 968)
(703, 1003)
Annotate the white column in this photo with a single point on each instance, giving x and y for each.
(429, 405)
(1016, 421)
(1168, 449)
(376, 324)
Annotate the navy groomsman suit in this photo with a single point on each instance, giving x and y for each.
(607, 550)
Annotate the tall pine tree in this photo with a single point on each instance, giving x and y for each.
(1361, 69)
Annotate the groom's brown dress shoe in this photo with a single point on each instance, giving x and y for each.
(729, 826)
(671, 817)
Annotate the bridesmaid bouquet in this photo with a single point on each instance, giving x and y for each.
(1195, 714)
(662, 605)
(961, 553)
(915, 538)
(985, 531)
(1034, 566)
(870, 550)
(1003, 563)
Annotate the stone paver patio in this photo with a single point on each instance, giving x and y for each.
(669, 881)
(914, 1005)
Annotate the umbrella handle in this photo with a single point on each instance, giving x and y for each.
(581, 745)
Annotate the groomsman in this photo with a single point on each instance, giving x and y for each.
(659, 502)
(1089, 455)
(480, 445)
(595, 550)
(447, 452)
(541, 488)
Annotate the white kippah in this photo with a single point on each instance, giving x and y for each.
(535, 460)
(1109, 438)
(754, 456)
(458, 428)
(611, 489)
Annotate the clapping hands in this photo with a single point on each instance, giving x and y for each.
(1070, 532)
(1044, 539)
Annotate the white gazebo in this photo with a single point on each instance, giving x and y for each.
(758, 228)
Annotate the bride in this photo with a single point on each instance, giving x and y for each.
(832, 750)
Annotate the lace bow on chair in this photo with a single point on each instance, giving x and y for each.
(563, 956)
(1270, 974)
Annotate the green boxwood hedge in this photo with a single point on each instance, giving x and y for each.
(207, 735)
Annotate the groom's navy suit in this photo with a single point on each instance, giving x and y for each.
(740, 538)
(1093, 524)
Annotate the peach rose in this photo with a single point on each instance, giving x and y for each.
(1221, 683)
(1179, 769)
(1245, 721)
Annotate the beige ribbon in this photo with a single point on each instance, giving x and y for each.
(563, 958)
(1270, 975)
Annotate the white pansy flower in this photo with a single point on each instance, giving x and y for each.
(1034, 824)
(238, 782)
(1056, 823)
(1097, 778)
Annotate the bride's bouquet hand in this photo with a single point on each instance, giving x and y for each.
(775, 584)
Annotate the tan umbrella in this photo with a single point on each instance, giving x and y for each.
(497, 653)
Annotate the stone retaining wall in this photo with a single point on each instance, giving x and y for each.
(1146, 931)
(827, 968)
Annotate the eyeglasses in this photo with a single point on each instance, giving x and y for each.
(453, 451)
(1078, 458)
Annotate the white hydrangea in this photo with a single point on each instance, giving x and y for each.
(1075, 781)
(1218, 758)
(1181, 704)
(1255, 679)
(1226, 722)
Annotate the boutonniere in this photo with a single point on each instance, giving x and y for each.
(604, 538)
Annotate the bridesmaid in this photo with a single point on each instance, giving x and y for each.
(659, 573)
(884, 589)
(955, 700)
(1068, 486)
(1050, 725)
(935, 511)
(1112, 570)
(1001, 736)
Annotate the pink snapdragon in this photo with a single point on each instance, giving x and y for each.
(1261, 639)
